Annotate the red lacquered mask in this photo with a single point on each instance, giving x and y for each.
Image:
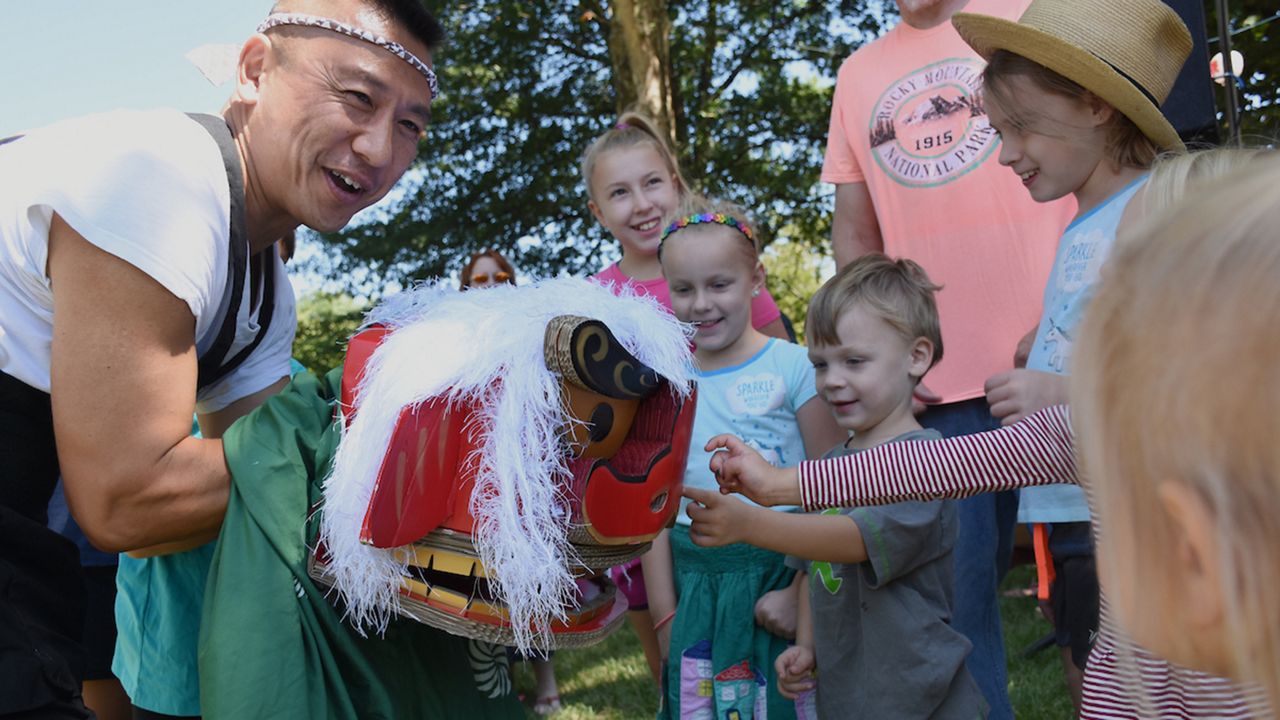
(626, 441)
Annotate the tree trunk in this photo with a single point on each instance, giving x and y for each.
(639, 36)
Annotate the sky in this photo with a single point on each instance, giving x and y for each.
(62, 58)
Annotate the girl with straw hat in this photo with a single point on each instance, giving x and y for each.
(1074, 89)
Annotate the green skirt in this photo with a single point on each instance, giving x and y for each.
(272, 645)
(721, 663)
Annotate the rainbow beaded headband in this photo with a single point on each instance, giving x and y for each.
(395, 48)
(703, 219)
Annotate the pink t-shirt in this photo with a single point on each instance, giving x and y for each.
(763, 309)
(906, 120)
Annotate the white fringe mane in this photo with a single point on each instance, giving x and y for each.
(459, 345)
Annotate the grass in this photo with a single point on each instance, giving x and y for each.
(611, 680)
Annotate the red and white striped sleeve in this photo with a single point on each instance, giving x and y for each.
(1035, 451)
(1123, 681)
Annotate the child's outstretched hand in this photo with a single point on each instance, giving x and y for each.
(740, 469)
(1015, 394)
(795, 669)
(717, 519)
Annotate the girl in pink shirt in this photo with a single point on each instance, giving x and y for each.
(633, 184)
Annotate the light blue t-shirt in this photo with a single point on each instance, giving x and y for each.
(757, 401)
(1085, 247)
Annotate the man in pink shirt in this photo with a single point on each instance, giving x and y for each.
(914, 163)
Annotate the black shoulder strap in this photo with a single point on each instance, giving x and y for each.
(213, 364)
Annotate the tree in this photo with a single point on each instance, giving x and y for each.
(796, 272)
(1260, 85)
(528, 85)
(325, 321)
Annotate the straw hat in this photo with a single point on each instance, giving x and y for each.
(1127, 52)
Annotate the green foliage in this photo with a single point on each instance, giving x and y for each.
(796, 271)
(527, 86)
(1259, 98)
(325, 321)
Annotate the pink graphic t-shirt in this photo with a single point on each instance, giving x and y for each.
(763, 309)
(908, 121)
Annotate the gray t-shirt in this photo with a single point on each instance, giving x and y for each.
(882, 628)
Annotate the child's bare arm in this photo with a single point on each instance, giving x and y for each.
(795, 666)
(660, 587)
(804, 612)
(723, 520)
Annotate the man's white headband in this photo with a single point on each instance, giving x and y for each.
(395, 48)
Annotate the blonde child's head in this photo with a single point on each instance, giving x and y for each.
(710, 256)
(1174, 396)
(898, 291)
(1174, 174)
(633, 182)
(873, 333)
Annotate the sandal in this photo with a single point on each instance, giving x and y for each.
(549, 705)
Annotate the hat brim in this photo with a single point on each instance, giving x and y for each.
(987, 34)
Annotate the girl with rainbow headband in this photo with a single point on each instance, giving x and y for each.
(633, 183)
(719, 661)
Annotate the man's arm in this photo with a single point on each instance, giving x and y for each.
(855, 231)
(123, 389)
(213, 425)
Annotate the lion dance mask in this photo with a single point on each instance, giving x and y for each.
(496, 445)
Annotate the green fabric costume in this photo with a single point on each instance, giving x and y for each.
(271, 644)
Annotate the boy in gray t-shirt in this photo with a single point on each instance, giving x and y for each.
(881, 630)
(873, 632)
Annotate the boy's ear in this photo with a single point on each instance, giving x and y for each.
(921, 357)
(250, 68)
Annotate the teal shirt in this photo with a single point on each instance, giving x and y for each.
(158, 605)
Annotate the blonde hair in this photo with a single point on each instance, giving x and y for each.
(1173, 173)
(632, 128)
(1175, 382)
(1126, 145)
(898, 291)
(695, 204)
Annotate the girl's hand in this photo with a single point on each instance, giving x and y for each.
(1017, 393)
(740, 469)
(795, 668)
(776, 611)
(717, 519)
